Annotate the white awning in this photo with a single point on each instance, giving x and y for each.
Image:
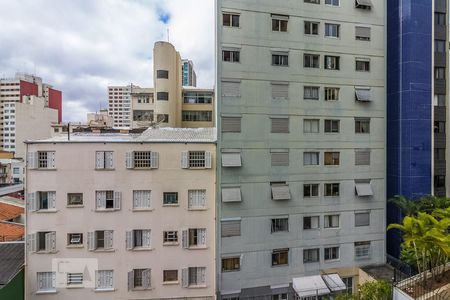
(310, 286)
(362, 94)
(231, 159)
(364, 2)
(364, 189)
(334, 282)
(231, 194)
(280, 192)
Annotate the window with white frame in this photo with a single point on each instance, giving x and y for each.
(108, 200)
(311, 255)
(138, 239)
(362, 250)
(310, 158)
(46, 281)
(348, 281)
(196, 199)
(193, 276)
(311, 93)
(311, 126)
(194, 237)
(139, 279)
(100, 240)
(232, 56)
(310, 190)
(74, 279)
(170, 237)
(311, 28)
(362, 64)
(280, 23)
(311, 222)
(104, 160)
(311, 61)
(331, 221)
(141, 199)
(279, 225)
(104, 280)
(74, 239)
(41, 201)
(230, 19)
(142, 160)
(42, 241)
(331, 93)
(331, 189)
(41, 160)
(331, 253)
(196, 160)
(332, 30)
(280, 59)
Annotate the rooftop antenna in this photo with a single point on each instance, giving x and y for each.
(168, 35)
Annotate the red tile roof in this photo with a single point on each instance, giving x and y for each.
(11, 232)
(8, 211)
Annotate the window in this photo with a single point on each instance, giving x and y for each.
(331, 221)
(196, 199)
(194, 237)
(231, 264)
(46, 281)
(331, 189)
(348, 281)
(311, 93)
(170, 275)
(231, 124)
(230, 227)
(280, 225)
(439, 154)
(362, 33)
(331, 253)
(42, 241)
(362, 250)
(231, 158)
(362, 157)
(331, 94)
(280, 190)
(311, 28)
(363, 4)
(41, 160)
(280, 23)
(362, 125)
(332, 30)
(74, 239)
(231, 194)
(280, 59)
(42, 200)
(332, 2)
(108, 200)
(100, 240)
(280, 90)
(196, 116)
(16, 171)
(312, 1)
(331, 158)
(280, 257)
(162, 118)
(139, 279)
(311, 255)
(332, 62)
(311, 126)
(162, 74)
(439, 127)
(439, 19)
(311, 190)
(310, 158)
(362, 65)
(104, 280)
(197, 159)
(311, 222)
(279, 158)
(170, 237)
(198, 97)
(439, 181)
(230, 20)
(279, 125)
(311, 61)
(439, 100)
(362, 219)
(104, 160)
(138, 238)
(162, 96)
(439, 73)
(231, 56)
(282, 296)
(74, 278)
(170, 198)
(362, 94)
(194, 276)
(141, 199)
(331, 126)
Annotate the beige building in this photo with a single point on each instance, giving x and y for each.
(122, 216)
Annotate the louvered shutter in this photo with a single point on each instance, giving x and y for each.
(108, 239)
(146, 199)
(130, 280)
(363, 32)
(230, 228)
(362, 219)
(231, 124)
(280, 192)
(109, 160)
(32, 160)
(91, 241)
(154, 160)
(362, 157)
(146, 278)
(280, 91)
(32, 201)
(146, 238)
(32, 242)
(280, 125)
(129, 160)
(231, 159)
(100, 199)
(117, 200)
(51, 200)
(185, 277)
(129, 240)
(280, 158)
(99, 160)
(363, 189)
(51, 159)
(50, 241)
(109, 279)
(185, 239)
(201, 236)
(208, 160)
(231, 194)
(185, 160)
(99, 279)
(201, 275)
(231, 89)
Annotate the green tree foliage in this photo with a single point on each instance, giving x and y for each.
(374, 290)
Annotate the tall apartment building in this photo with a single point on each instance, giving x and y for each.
(121, 216)
(417, 113)
(28, 106)
(188, 72)
(301, 159)
(168, 103)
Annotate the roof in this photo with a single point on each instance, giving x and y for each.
(380, 272)
(151, 135)
(11, 260)
(9, 211)
(11, 232)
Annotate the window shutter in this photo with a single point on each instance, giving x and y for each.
(280, 158)
(109, 160)
(184, 239)
(184, 160)
(117, 200)
(51, 200)
(91, 241)
(50, 241)
(99, 279)
(280, 91)
(130, 280)
(109, 279)
(362, 219)
(280, 192)
(185, 277)
(231, 194)
(231, 89)
(231, 124)
(32, 160)
(146, 278)
(314, 222)
(32, 201)
(100, 199)
(99, 160)
(363, 189)
(208, 160)
(129, 160)
(230, 228)
(154, 160)
(201, 236)
(129, 240)
(363, 32)
(362, 94)
(32, 242)
(362, 157)
(280, 125)
(231, 159)
(108, 239)
(51, 159)
(146, 238)
(201, 275)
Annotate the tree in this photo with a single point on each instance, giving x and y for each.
(407, 206)
(373, 290)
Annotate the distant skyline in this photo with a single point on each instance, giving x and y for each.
(81, 47)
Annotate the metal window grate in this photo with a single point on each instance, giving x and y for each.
(197, 159)
(142, 159)
(42, 159)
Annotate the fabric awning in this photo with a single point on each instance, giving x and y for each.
(231, 194)
(334, 282)
(231, 159)
(364, 189)
(310, 286)
(280, 192)
(362, 95)
(364, 2)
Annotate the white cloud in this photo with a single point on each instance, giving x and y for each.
(82, 46)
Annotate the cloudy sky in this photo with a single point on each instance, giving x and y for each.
(82, 46)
